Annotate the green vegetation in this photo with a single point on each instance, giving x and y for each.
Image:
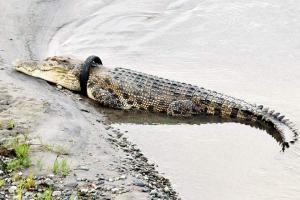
(48, 194)
(48, 147)
(56, 167)
(21, 149)
(2, 183)
(30, 183)
(22, 159)
(61, 168)
(20, 188)
(38, 196)
(64, 168)
(13, 142)
(10, 124)
(59, 150)
(13, 165)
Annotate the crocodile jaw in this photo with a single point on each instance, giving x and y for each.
(49, 71)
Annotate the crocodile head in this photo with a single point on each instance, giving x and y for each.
(63, 71)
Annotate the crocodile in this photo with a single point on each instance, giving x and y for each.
(128, 89)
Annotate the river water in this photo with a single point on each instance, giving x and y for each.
(249, 49)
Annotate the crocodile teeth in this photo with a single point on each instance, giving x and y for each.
(271, 112)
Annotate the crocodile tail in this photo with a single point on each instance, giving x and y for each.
(283, 126)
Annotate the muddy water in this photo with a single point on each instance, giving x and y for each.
(247, 49)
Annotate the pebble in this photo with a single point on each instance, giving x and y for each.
(153, 192)
(110, 179)
(12, 189)
(145, 190)
(50, 175)
(139, 183)
(167, 189)
(84, 168)
(49, 182)
(56, 193)
(27, 194)
(114, 190)
(84, 190)
(123, 177)
(72, 184)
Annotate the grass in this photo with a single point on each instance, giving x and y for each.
(38, 196)
(48, 194)
(22, 159)
(20, 188)
(59, 150)
(2, 183)
(56, 167)
(61, 168)
(48, 147)
(13, 142)
(30, 183)
(10, 124)
(14, 165)
(21, 149)
(64, 168)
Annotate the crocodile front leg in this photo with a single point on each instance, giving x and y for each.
(105, 98)
(182, 108)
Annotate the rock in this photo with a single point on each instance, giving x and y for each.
(110, 179)
(12, 189)
(84, 190)
(114, 190)
(123, 177)
(78, 179)
(84, 168)
(50, 175)
(166, 189)
(56, 194)
(153, 192)
(72, 184)
(145, 190)
(139, 183)
(49, 182)
(28, 194)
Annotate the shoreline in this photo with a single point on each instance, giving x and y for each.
(62, 126)
(128, 175)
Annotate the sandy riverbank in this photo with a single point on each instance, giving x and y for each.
(102, 162)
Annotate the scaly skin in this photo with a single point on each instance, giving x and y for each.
(135, 90)
(127, 89)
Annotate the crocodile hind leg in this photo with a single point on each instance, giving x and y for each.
(182, 108)
(105, 98)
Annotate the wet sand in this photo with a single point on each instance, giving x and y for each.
(249, 50)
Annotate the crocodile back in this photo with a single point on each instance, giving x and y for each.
(147, 92)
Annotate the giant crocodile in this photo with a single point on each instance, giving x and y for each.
(127, 89)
